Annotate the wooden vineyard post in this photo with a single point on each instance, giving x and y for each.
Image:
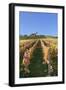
(50, 68)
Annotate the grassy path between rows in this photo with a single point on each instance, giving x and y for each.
(37, 69)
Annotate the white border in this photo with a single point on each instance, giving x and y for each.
(41, 79)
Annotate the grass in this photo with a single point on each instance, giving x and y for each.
(37, 69)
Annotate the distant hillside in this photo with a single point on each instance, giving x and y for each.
(36, 37)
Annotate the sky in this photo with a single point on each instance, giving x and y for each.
(42, 23)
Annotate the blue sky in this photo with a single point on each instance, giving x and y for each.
(43, 23)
